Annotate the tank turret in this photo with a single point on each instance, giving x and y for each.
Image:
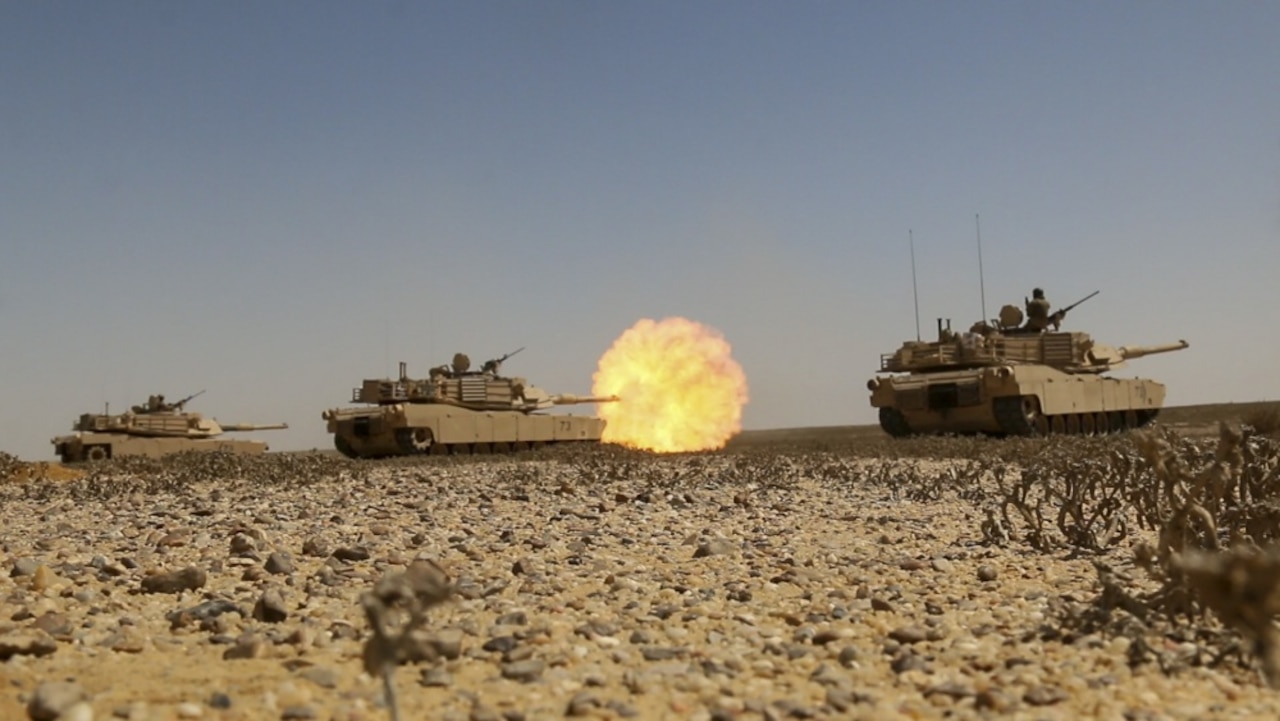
(155, 428)
(456, 410)
(1006, 378)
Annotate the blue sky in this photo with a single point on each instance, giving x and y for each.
(272, 201)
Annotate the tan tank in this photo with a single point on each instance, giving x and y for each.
(1002, 379)
(456, 410)
(154, 429)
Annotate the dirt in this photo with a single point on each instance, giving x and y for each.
(792, 575)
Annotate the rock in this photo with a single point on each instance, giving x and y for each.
(436, 676)
(1044, 695)
(500, 644)
(187, 579)
(219, 700)
(351, 553)
(909, 634)
(321, 676)
(270, 607)
(447, 642)
(714, 547)
(993, 699)
(583, 703)
(279, 563)
(515, 618)
(987, 573)
(315, 548)
(525, 671)
(242, 545)
(26, 643)
(81, 711)
(52, 698)
(24, 567)
(247, 646)
(656, 653)
(204, 614)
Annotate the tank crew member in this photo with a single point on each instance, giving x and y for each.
(1038, 312)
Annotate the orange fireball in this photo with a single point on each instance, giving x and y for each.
(681, 389)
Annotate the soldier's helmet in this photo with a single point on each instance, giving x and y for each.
(1037, 293)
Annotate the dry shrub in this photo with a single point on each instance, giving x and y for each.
(1212, 522)
(1264, 421)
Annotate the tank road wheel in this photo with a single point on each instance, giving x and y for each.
(894, 423)
(344, 447)
(96, 453)
(1115, 421)
(1035, 419)
(1100, 424)
(520, 446)
(502, 448)
(1057, 425)
(1073, 424)
(1087, 426)
(482, 449)
(1020, 416)
(1130, 419)
(415, 440)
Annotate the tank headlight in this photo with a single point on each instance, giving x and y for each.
(873, 384)
(1004, 372)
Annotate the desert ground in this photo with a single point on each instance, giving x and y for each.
(807, 573)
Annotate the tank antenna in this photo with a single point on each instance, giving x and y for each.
(982, 286)
(915, 293)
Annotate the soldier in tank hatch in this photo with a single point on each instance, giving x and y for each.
(1038, 312)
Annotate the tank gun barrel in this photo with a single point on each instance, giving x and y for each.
(1138, 351)
(568, 399)
(254, 426)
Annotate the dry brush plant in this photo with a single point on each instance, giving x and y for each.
(396, 608)
(1073, 492)
(1264, 421)
(1209, 525)
(122, 477)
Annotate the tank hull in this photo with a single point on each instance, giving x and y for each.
(1013, 400)
(408, 429)
(88, 446)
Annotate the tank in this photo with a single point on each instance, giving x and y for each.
(456, 410)
(154, 429)
(1006, 379)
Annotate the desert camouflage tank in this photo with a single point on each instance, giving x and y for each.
(1001, 378)
(153, 429)
(456, 410)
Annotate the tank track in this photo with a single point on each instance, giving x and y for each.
(894, 423)
(457, 449)
(1014, 422)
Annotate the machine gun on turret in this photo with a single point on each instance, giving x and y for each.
(1060, 314)
(493, 365)
(179, 405)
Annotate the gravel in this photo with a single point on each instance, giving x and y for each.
(700, 586)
